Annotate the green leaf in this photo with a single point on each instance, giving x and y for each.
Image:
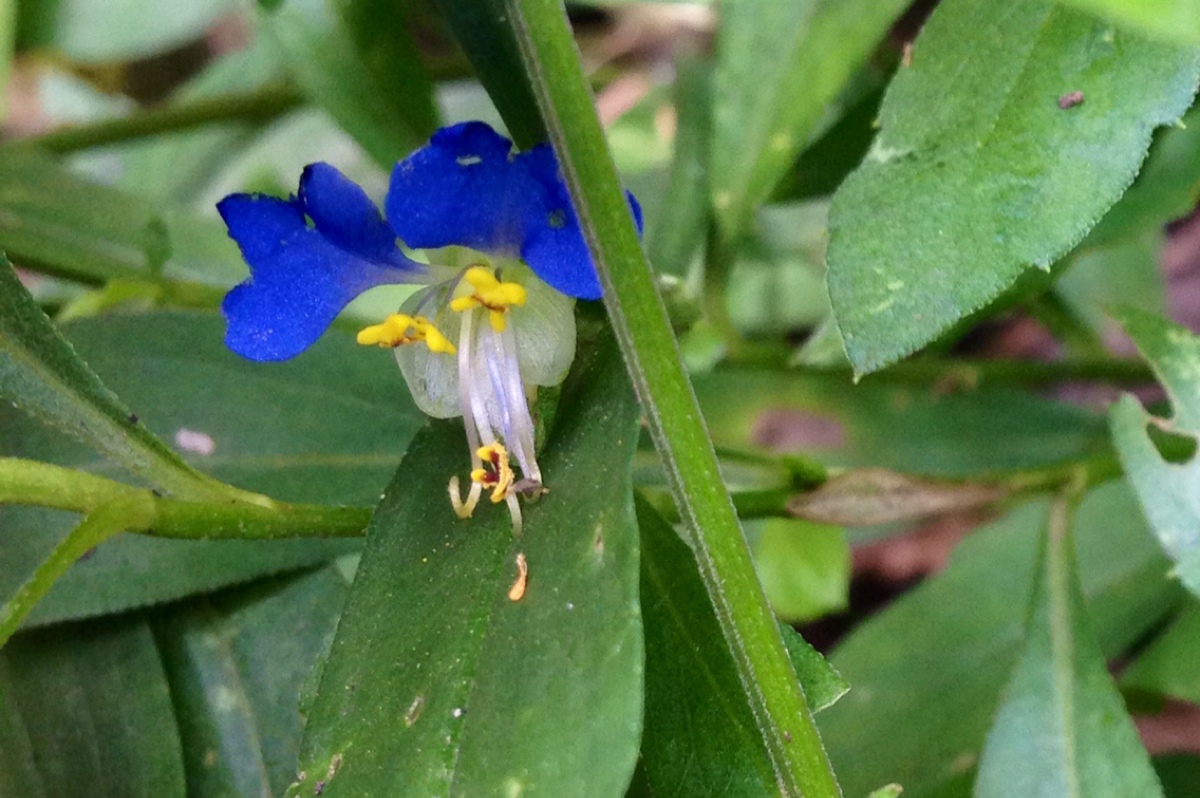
(358, 62)
(779, 66)
(679, 229)
(483, 30)
(1179, 773)
(1122, 273)
(85, 710)
(978, 173)
(928, 675)
(804, 568)
(1172, 20)
(1062, 728)
(692, 684)
(1169, 492)
(41, 374)
(908, 428)
(54, 221)
(122, 30)
(1166, 189)
(1170, 666)
(237, 662)
(437, 683)
(328, 427)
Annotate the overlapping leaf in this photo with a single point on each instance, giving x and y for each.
(1015, 128)
(1170, 492)
(328, 427)
(438, 682)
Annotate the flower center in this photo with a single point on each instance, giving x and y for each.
(488, 291)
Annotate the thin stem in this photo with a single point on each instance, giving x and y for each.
(106, 521)
(29, 482)
(258, 106)
(651, 353)
(969, 374)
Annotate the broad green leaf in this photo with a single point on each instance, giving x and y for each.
(804, 567)
(358, 62)
(779, 66)
(54, 221)
(1166, 189)
(42, 375)
(237, 663)
(481, 28)
(328, 427)
(1062, 728)
(437, 682)
(979, 173)
(1169, 492)
(927, 675)
(85, 710)
(1173, 20)
(915, 429)
(1170, 666)
(698, 731)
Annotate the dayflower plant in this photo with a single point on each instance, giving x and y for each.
(504, 259)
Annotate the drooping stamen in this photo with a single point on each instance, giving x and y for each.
(489, 292)
(466, 344)
(496, 474)
(399, 329)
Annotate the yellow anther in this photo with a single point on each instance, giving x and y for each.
(499, 477)
(399, 329)
(491, 293)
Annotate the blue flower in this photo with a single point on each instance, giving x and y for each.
(503, 244)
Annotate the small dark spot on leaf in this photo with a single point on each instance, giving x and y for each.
(132, 418)
(598, 540)
(1070, 100)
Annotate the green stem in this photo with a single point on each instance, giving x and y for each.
(970, 374)
(29, 482)
(106, 521)
(651, 353)
(258, 106)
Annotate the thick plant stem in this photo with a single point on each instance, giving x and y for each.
(258, 106)
(651, 354)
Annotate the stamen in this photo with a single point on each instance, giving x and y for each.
(399, 329)
(491, 293)
(499, 477)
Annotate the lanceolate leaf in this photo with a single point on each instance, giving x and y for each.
(41, 374)
(438, 683)
(1062, 728)
(927, 676)
(327, 427)
(85, 710)
(359, 63)
(1170, 492)
(237, 662)
(1015, 128)
(1170, 666)
(700, 732)
(779, 66)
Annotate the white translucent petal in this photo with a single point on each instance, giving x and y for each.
(432, 377)
(544, 328)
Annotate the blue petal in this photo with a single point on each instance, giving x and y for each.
(459, 189)
(302, 275)
(466, 187)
